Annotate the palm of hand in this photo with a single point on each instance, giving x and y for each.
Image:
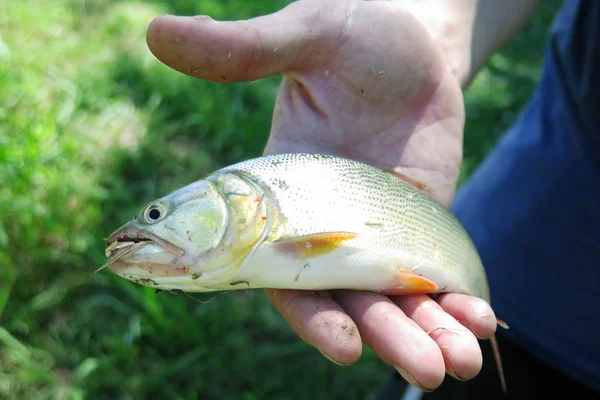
(359, 93)
(362, 80)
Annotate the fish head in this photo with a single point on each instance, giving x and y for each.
(193, 239)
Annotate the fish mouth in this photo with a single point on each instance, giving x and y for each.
(130, 239)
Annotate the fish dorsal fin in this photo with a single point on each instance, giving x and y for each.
(403, 177)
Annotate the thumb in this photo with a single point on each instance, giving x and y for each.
(232, 51)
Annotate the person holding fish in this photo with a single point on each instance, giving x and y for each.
(380, 82)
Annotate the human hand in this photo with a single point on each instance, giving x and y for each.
(363, 80)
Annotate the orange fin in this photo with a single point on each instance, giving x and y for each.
(409, 283)
(315, 244)
(409, 180)
(496, 351)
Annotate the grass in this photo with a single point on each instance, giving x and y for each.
(92, 126)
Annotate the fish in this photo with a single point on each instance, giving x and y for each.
(300, 221)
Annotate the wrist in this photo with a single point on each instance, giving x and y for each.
(468, 32)
(450, 28)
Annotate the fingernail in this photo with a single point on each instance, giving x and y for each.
(451, 372)
(409, 378)
(331, 359)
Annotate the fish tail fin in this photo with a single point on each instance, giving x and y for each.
(502, 323)
(496, 352)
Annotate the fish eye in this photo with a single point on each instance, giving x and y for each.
(155, 213)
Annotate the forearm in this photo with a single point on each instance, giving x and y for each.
(470, 31)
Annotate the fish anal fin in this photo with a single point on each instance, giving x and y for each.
(410, 283)
(314, 244)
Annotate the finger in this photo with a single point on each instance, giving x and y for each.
(459, 346)
(395, 338)
(320, 322)
(474, 313)
(229, 51)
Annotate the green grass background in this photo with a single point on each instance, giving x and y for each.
(91, 128)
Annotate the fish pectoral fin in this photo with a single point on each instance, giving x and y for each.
(409, 283)
(312, 245)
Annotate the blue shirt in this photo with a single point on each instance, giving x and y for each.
(533, 206)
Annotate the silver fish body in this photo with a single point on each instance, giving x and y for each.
(301, 221)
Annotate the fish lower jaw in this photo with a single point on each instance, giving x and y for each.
(184, 283)
(176, 276)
